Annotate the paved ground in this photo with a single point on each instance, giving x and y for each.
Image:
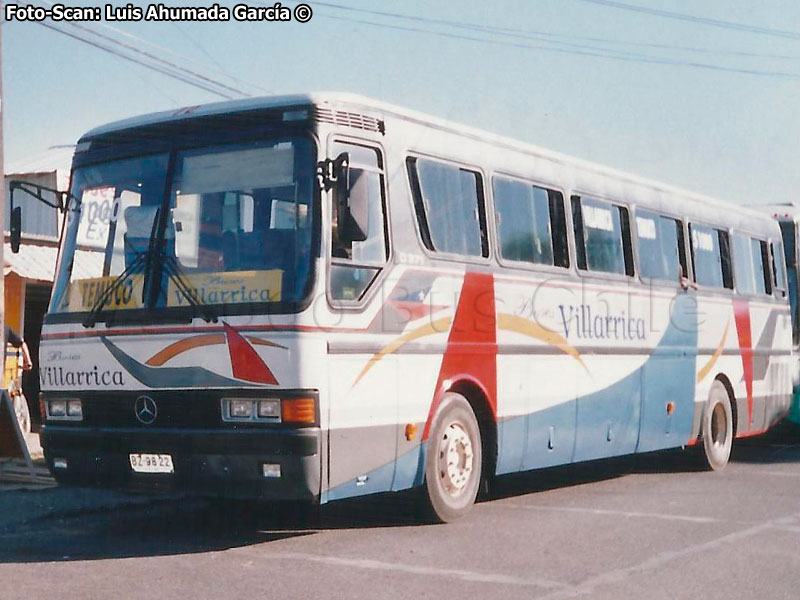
(651, 527)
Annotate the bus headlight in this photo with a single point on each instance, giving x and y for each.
(269, 409)
(57, 408)
(240, 409)
(74, 408)
(64, 409)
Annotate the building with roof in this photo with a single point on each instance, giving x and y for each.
(29, 274)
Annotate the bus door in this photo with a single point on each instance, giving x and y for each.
(363, 380)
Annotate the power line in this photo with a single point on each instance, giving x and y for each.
(170, 64)
(218, 68)
(600, 53)
(147, 65)
(546, 36)
(197, 45)
(151, 56)
(783, 33)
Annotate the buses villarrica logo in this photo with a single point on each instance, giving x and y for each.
(247, 366)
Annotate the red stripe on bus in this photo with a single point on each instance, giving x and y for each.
(741, 313)
(245, 361)
(474, 326)
(212, 329)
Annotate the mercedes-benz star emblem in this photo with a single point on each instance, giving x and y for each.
(145, 409)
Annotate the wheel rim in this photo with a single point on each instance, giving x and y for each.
(719, 428)
(456, 459)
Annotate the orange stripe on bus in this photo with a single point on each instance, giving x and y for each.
(534, 330)
(703, 373)
(438, 326)
(183, 345)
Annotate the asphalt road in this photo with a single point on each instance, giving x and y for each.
(647, 527)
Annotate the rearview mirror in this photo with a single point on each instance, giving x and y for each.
(350, 196)
(16, 228)
(53, 198)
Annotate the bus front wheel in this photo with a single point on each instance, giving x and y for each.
(717, 428)
(453, 462)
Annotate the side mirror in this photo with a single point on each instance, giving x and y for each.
(16, 228)
(47, 196)
(351, 199)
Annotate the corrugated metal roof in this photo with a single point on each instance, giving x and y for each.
(56, 159)
(39, 262)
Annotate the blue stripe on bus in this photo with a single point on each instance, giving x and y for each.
(633, 424)
(406, 472)
(615, 420)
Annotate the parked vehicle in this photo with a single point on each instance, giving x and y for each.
(321, 296)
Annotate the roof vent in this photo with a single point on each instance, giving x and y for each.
(349, 119)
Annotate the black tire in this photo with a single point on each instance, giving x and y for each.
(717, 428)
(453, 461)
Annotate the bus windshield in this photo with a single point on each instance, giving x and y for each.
(231, 227)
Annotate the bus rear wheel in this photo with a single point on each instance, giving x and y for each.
(717, 428)
(454, 459)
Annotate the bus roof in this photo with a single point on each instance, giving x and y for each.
(341, 99)
(783, 211)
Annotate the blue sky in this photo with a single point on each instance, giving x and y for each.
(725, 133)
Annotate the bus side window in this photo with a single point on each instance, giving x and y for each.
(531, 227)
(761, 265)
(661, 252)
(450, 207)
(711, 256)
(743, 268)
(778, 270)
(355, 265)
(602, 236)
(751, 265)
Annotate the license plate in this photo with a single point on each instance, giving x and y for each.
(151, 463)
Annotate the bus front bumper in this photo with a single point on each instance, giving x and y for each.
(226, 463)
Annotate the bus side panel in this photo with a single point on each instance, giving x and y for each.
(668, 379)
(608, 419)
(417, 382)
(537, 370)
(771, 361)
(363, 426)
(609, 394)
(513, 402)
(551, 425)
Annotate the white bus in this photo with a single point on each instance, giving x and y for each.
(321, 296)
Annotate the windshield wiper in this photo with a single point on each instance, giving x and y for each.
(188, 291)
(173, 270)
(102, 299)
(141, 258)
